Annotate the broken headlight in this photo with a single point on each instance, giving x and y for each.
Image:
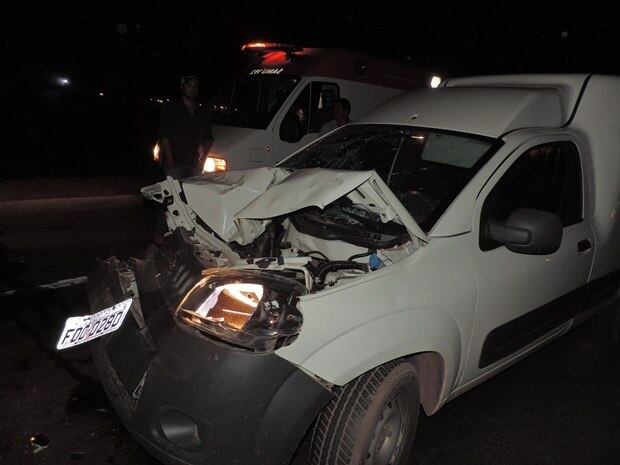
(248, 308)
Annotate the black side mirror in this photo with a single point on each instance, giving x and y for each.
(527, 231)
(290, 129)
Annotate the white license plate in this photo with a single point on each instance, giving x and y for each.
(81, 329)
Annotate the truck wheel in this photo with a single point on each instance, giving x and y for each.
(372, 420)
(606, 325)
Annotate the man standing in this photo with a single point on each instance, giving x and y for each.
(340, 113)
(184, 140)
(185, 132)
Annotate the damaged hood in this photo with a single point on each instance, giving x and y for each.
(238, 205)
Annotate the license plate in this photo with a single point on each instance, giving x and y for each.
(81, 329)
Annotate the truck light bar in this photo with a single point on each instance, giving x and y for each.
(260, 46)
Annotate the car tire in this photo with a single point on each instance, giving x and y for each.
(606, 325)
(371, 421)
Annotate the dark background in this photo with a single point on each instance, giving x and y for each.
(135, 54)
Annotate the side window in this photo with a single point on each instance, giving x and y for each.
(313, 108)
(323, 97)
(546, 177)
(295, 123)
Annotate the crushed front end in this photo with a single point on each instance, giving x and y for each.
(188, 396)
(194, 371)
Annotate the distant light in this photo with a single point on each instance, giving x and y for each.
(160, 100)
(62, 81)
(564, 34)
(435, 81)
(156, 152)
(101, 94)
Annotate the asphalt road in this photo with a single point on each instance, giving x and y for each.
(560, 405)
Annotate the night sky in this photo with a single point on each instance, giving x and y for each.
(129, 53)
(143, 48)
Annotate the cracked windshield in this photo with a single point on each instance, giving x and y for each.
(425, 169)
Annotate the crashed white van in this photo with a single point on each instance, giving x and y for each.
(395, 263)
(281, 99)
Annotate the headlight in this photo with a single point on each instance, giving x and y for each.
(213, 164)
(156, 152)
(247, 308)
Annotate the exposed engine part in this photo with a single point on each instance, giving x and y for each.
(298, 264)
(268, 244)
(316, 252)
(332, 278)
(322, 270)
(362, 255)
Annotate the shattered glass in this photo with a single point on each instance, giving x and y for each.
(426, 169)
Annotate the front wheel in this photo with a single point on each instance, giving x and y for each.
(372, 420)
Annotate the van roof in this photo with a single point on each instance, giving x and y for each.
(340, 64)
(487, 105)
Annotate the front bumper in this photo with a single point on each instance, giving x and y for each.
(189, 399)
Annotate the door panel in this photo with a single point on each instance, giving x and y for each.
(522, 298)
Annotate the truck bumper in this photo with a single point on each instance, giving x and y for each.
(189, 399)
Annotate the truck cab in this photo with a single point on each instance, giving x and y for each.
(278, 103)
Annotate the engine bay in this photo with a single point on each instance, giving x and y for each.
(321, 228)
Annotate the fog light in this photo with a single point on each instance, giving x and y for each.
(179, 429)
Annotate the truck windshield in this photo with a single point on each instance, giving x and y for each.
(252, 101)
(426, 169)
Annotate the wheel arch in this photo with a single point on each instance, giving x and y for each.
(434, 348)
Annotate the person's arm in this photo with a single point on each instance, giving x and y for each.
(165, 128)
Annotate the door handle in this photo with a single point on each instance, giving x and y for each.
(584, 245)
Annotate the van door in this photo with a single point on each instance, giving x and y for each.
(301, 122)
(522, 299)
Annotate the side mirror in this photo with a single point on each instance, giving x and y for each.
(527, 231)
(290, 129)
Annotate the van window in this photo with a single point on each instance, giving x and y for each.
(313, 107)
(294, 125)
(546, 177)
(323, 97)
(252, 101)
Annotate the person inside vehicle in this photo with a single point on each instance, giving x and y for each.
(340, 114)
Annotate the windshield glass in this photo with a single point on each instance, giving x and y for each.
(426, 169)
(252, 101)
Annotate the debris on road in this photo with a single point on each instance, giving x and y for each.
(39, 442)
(56, 285)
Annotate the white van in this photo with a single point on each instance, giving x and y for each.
(389, 267)
(254, 117)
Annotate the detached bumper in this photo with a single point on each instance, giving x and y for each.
(189, 399)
